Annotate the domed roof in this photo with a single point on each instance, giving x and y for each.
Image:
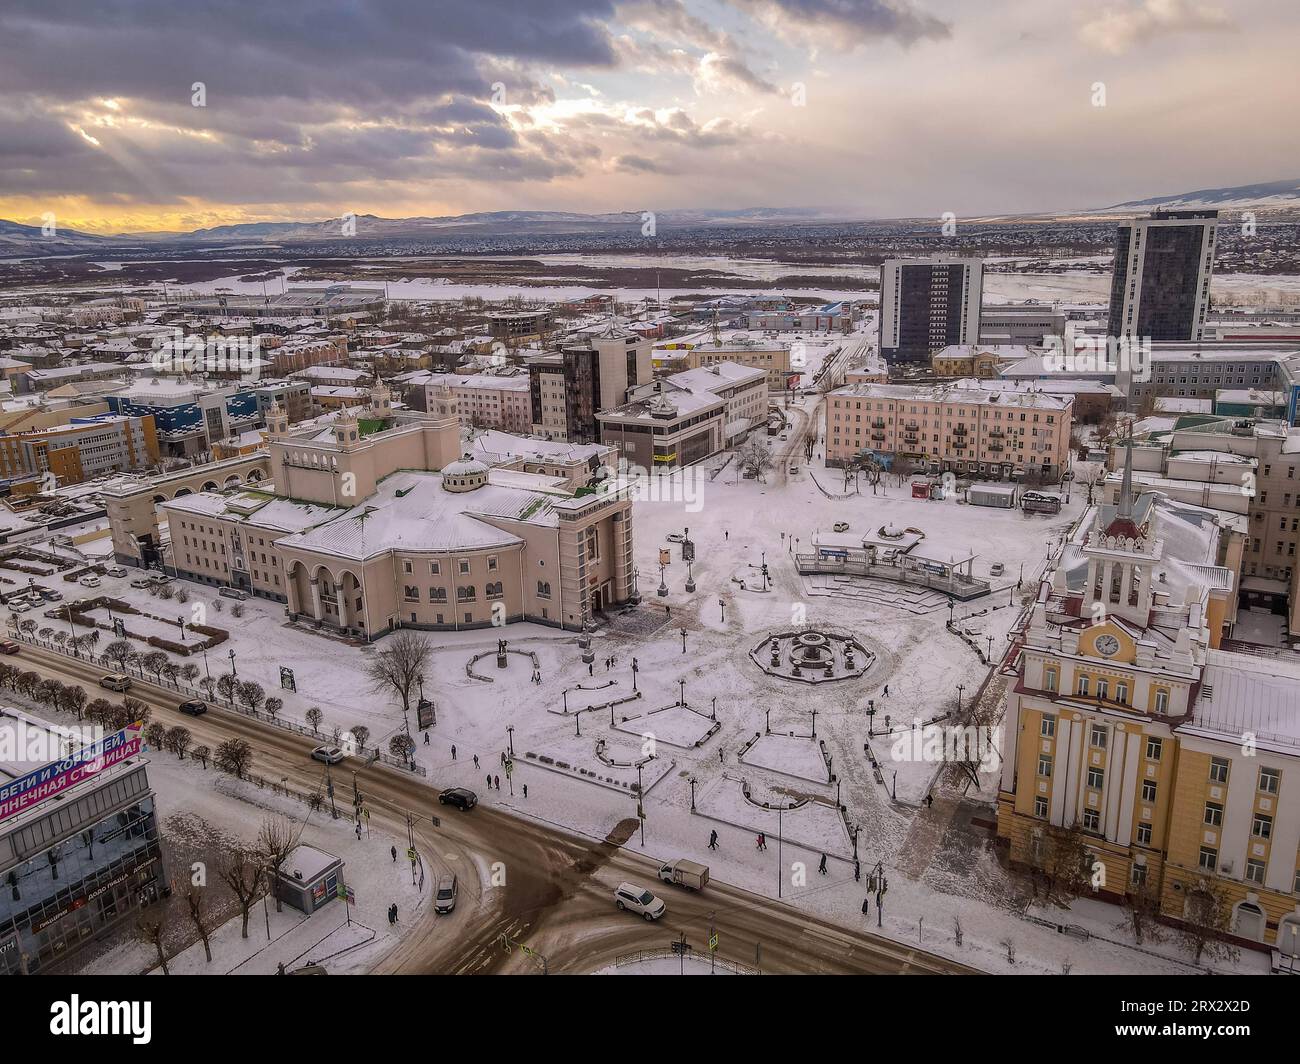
(466, 466)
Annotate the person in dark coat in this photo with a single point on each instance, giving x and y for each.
(496, 782)
(713, 840)
(393, 851)
(822, 867)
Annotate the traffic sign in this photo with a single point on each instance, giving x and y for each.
(410, 853)
(713, 940)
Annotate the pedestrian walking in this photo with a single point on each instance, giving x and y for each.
(886, 690)
(476, 760)
(929, 800)
(426, 738)
(358, 831)
(822, 867)
(591, 668)
(713, 840)
(726, 534)
(525, 790)
(866, 905)
(719, 755)
(453, 751)
(496, 780)
(393, 851)
(503, 757)
(489, 781)
(762, 841)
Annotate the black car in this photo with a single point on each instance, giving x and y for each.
(193, 707)
(461, 797)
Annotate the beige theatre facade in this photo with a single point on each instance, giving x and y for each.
(373, 520)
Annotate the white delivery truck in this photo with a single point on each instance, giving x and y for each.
(685, 874)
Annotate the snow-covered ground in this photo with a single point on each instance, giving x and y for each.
(941, 867)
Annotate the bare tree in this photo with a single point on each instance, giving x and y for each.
(276, 839)
(179, 739)
(154, 662)
(152, 932)
(234, 756)
(119, 652)
(251, 694)
(194, 901)
(402, 745)
(244, 874)
(754, 458)
(1141, 910)
(201, 754)
(1207, 917)
(273, 707)
(399, 666)
(360, 733)
(314, 717)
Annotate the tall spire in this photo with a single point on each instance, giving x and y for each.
(1126, 485)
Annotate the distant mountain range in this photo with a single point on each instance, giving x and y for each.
(17, 239)
(26, 239)
(1268, 194)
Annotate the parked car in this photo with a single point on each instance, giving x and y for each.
(685, 873)
(89, 581)
(445, 899)
(630, 898)
(52, 595)
(19, 605)
(9, 647)
(116, 681)
(998, 569)
(141, 582)
(233, 592)
(841, 526)
(675, 537)
(195, 707)
(331, 755)
(115, 570)
(461, 797)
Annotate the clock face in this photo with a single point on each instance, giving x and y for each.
(1107, 644)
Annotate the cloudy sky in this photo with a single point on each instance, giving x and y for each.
(881, 108)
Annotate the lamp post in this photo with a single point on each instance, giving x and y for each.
(683, 640)
(662, 591)
(510, 741)
(723, 607)
(990, 650)
(690, 579)
(635, 669)
(960, 688)
(207, 672)
(692, 781)
(232, 663)
(681, 697)
(180, 623)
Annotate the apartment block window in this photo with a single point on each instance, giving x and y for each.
(1213, 814)
(464, 565)
(1096, 778)
(437, 594)
(1040, 807)
(1262, 826)
(492, 562)
(411, 594)
(1148, 790)
(1091, 820)
(1144, 834)
(1082, 686)
(1155, 747)
(1103, 689)
(1270, 780)
(1045, 765)
(1254, 870)
(1209, 859)
(1139, 875)
(1218, 770)
(1047, 727)
(406, 567)
(1049, 679)
(1099, 734)
(435, 569)
(1162, 701)
(1121, 693)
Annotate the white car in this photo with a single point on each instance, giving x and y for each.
(631, 898)
(331, 755)
(116, 570)
(141, 582)
(20, 606)
(675, 537)
(89, 581)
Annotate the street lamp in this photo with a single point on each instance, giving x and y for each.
(683, 640)
(180, 623)
(510, 740)
(723, 607)
(233, 672)
(662, 590)
(690, 579)
(960, 688)
(681, 698)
